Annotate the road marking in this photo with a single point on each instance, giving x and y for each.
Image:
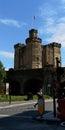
(21, 104)
(46, 114)
(1, 115)
(13, 105)
(14, 116)
(63, 124)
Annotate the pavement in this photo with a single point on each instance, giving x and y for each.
(50, 117)
(47, 116)
(48, 120)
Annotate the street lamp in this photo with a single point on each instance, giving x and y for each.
(58, 69)
(54, 103)
(49, 86)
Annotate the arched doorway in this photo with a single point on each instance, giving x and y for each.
(14, 88)
(33, 86)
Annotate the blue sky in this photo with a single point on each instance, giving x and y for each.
(16, 19)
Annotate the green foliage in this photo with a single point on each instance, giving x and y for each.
(5, 98)
(2, 72)
(45, 97)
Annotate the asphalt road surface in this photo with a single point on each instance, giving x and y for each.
(21, 116)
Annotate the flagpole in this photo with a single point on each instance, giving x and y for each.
(33, 20)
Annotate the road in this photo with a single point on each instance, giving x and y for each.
(18, 116)
(22, 108)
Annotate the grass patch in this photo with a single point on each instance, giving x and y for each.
(47, 97)
(13, 98)
(19, 98)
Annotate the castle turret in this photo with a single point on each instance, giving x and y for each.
(33, 36)
(50, 53)
(18, 56)
(34, 48)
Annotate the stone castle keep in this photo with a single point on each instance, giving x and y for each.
(33, 54)
(30, 62)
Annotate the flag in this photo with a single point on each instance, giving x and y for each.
(34, 17)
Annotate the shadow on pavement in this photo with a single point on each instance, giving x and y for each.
(22, 120)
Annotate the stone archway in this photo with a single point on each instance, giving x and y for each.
(14, 88)
(32, 86)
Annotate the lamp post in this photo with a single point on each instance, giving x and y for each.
(57, 68)
(54, 103)
(49, 87)
(9, 94)
(58, 79)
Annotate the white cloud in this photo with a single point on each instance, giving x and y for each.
(62, 19)
(50, 21)
(57, 33)
(7, 54)
(54, 33)
(63, 1)
(52, 28)
(53, 25)
(6, 69)
(46, 11)
(62, 5)
(12, 22)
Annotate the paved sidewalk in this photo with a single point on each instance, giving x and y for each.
(13, 102)
(20, 102)
(48, 120)
(48, 116)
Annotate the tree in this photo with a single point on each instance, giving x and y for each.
(2, 73)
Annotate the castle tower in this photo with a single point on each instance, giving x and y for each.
(17, 56)
(28, 56)
(50, 53)
(34, 50)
